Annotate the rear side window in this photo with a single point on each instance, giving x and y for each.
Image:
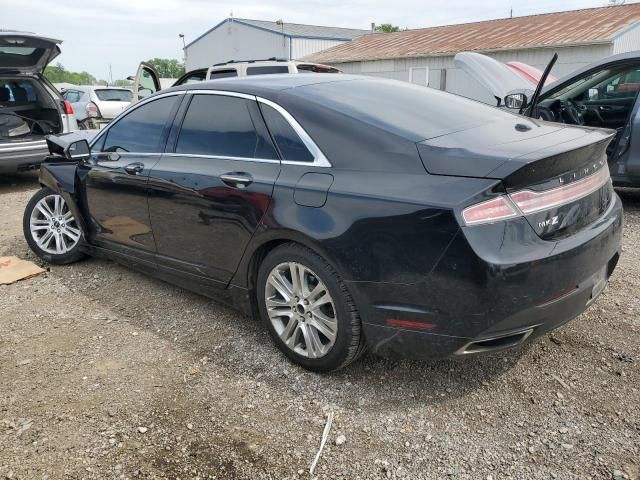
(223, 74)
(223, 126)
(141, 131)
(114, 95)
(267, 69)
(72, 95)
(289, 143)
(195, 77)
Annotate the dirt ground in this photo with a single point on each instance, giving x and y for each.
(105, 373)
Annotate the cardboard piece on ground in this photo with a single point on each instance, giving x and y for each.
(13, 269)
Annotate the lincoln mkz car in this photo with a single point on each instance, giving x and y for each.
(348, 213)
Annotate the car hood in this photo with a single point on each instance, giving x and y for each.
(26, 52)
(498, 78)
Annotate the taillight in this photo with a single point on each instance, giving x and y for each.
(494, 210)
(68, 109)
(525, 202)
(530, 202)
(92, 110)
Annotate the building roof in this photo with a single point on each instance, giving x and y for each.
(588, 26)
(293, 30)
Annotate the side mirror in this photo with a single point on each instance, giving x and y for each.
(79, 150)
(515, 101)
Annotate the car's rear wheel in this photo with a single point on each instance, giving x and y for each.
(308, 309)
(50, 228)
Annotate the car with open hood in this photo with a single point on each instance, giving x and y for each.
(30, 106)
(603, 94)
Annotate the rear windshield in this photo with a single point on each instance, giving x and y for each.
(411, 111)
(113, 95)
(267, 70)
(17, 50)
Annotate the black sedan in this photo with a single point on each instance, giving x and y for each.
(349, 213)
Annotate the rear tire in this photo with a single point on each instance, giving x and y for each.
(50, 228)
(308, 309)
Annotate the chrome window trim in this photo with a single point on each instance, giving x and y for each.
(130, 109)
(319, 160)
(223, 93)
(220, 157)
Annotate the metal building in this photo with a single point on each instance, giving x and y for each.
(242, 39)
(425, 56)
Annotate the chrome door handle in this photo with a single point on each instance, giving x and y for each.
(237, 180)
(134, 168)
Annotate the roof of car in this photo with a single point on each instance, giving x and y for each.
(267, 85)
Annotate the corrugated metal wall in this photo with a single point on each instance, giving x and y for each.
(628, 41)
(307, 46)
(237, 41)
(458, 82)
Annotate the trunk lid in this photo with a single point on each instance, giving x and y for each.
(555, 175)
(26, 53)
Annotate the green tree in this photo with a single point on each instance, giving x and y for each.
(387, 28)
(58, 74)
(167, 67)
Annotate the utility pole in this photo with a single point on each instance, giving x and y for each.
(184, 51)
(284, 40)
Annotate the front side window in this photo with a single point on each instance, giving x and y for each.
(609, 83)
(289, 143)
(141, 131)
(223, 126)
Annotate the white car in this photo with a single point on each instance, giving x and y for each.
(96, 106)
(30, 106)
(147, 80)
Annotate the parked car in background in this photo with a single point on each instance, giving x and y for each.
(30, 106)
(147, 80)
(347, 212)
(96, 106)
(603, 94)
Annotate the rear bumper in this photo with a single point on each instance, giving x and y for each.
(16, 156)
(505, 291)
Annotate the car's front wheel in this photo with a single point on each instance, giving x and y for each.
(50, 228)
(308, 309)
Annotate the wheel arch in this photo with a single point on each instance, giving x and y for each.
(247, 273)
(62, 178)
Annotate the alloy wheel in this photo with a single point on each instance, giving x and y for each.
(301, 309)
(53, 226)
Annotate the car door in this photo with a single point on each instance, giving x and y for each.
(210, 190)
(146, 82)
(116, 181)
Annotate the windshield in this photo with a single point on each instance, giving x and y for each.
(604, 84)
(114, 95)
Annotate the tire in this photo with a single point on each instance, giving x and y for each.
(52, 233)
(326, 333)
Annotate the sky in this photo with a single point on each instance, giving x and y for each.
(121, 33)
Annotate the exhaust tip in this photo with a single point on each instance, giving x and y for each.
(494, 344)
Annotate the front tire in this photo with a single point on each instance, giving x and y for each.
(308, 310)
(50, 228)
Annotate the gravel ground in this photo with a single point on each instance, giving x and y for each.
(105, 373)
